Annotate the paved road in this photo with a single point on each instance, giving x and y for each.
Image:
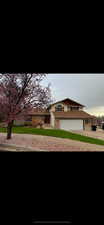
(44, 143)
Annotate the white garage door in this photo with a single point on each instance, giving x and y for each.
(71, 124)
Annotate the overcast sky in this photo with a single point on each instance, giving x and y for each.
(87, 89)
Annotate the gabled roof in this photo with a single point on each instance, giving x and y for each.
(73, 115)
(68, 101)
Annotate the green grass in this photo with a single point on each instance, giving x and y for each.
(54, 133)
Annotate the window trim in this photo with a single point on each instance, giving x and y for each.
(58, 107)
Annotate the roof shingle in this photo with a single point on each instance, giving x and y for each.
(73, 115)
(38, 111)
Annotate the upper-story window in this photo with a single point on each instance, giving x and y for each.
(68, 107)
(73, 108)
(59, 108)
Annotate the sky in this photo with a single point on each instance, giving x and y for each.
(87, 89)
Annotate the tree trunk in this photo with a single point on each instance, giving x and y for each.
(9, 130)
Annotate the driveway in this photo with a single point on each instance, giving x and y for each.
(38, 142)
(99, 134)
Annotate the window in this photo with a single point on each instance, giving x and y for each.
(59, 108)
(72, 108)
(68, 107)
(28, 119)
(47, 119)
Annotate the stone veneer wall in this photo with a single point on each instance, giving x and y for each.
(57, 123)
(36, 119)
(91, 122)
(88, 126)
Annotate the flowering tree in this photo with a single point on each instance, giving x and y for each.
(20, 93)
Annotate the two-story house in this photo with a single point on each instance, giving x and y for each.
(66, 114)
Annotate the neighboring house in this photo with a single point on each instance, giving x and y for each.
(66, 114)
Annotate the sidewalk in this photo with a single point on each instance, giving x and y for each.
(15, 148)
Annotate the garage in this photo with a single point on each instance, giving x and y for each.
(71, 124)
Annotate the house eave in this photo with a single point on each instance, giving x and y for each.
(73, 115)
(77, 104)
(38, 114)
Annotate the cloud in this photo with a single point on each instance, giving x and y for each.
(88, 89)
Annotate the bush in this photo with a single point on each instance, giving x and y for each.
(38, 123)
(27, 123)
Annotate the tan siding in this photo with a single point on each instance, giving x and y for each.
(65, 108)
(52, 119)
(53, 107)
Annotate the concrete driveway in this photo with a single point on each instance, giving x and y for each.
(99, 134)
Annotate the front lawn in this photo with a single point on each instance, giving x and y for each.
(55, 133)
